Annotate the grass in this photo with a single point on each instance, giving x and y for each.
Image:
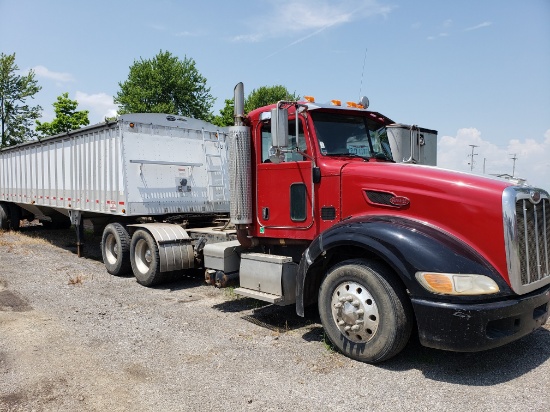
(18, 238)
(77, 280)
(327, 344)
(229, 292)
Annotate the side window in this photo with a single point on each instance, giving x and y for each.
(289, 157)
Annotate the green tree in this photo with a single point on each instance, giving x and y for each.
(266, 95)
(66, 117)
(226, 116)
(17, 116)
(263, 96)
(165, 84)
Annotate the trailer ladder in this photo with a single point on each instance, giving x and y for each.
(214, 167)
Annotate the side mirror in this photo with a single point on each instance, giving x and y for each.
(279, 127)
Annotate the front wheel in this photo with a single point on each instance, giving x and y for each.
(365, 311)
(144, 258)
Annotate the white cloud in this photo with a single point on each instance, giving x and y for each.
(157, 27)
(479, 26)
(532, 155)
(438, 36)
(185, 34)
(290, 17)
(100, 105)
(44, 72)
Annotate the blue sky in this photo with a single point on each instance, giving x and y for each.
(478, 71)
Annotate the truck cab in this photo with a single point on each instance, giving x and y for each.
(325, 215)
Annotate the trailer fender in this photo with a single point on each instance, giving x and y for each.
(405, 245)
(174, 244)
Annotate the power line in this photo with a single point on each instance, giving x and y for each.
(514, 158)
(473, 146)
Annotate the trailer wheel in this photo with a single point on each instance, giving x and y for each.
(144, 257)
(115, 248)
(4, 221)
(15, 217)
(365, 311)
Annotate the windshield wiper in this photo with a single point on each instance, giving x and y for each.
(382, 156)
(349, 155)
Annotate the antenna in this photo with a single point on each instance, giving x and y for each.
(362, 74)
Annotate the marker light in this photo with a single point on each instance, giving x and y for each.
(310, 99)
(457, 284)
(336, 102)
(351, 104)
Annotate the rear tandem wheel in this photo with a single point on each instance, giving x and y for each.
(144, 258)
(115, 248)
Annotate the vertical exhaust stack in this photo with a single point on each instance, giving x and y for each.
(238, 104)
(239, 164)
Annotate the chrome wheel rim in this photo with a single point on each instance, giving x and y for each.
(111, 249)
(143, 256)
(355, 312)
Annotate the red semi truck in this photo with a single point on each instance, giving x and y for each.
(382, 247)
(325, 210)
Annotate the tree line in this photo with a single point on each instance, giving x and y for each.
(163, 84)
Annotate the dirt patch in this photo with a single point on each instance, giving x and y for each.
(10, 301)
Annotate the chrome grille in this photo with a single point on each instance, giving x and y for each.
(532, 220)
(527, 235)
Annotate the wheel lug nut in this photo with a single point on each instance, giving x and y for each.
(338, 305)
(355, 328)
(360, 312)
(356, 303)
(341, 323)
(347, 328)
(359, 322)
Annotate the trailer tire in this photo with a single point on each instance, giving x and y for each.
(15, 216)
(365, 311)
(144, 258)
(115, 248)
(4, 221)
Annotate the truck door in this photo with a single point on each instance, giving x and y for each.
(284, 189)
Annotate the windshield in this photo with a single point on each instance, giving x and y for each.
(345, 134)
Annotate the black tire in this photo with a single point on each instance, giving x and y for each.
(365, 311)
(4, 217)
(115, 249)
(144, 257)
(15, 217)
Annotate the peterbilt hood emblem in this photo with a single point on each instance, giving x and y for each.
(534, 196)
(400, 201)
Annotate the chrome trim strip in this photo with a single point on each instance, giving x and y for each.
(545, 237)
(526, 240)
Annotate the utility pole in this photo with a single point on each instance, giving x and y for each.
(514, 158)
(473, 146)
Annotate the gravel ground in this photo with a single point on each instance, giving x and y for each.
(73, 338)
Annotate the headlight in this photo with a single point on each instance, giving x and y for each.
(457, 284)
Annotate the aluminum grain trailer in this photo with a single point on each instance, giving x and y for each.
(152, 175)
